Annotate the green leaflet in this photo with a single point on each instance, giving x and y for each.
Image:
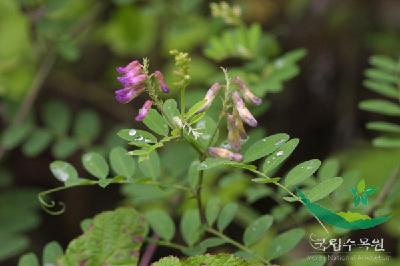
(264, 147)
(278, 157)
(87, 127)
(114, 238)
(57, 116)
(323, 189)
(190, 226)
(95, 164)
(226, 216)
(301, 172)
(121, 163)
(284, 243)
(161, 223)
(155, 122)
(256, 230)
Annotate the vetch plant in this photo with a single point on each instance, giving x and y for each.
(219, 144)
(190, 175)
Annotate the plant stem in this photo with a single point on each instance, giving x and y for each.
(236, 244)
(292, 194)
(149, 252)
(183, 101)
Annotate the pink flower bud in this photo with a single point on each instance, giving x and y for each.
(247, 94)
(243, 112)
(159, 76)
(209, 98)
(224, 153)
(144, 110)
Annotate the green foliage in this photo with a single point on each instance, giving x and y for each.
(57, 118)
(257, 229)
(51, 253)
(161, 223)
(18, 215)
(284, 243)
(384, 78)
(226, 216)
(114, 237)
(207, 259)
(190, 226)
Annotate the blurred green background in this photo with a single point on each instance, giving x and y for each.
(58, 57)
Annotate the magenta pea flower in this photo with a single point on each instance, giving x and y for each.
(132, 80)
(225, 153)
(160, 78)
(144, 110)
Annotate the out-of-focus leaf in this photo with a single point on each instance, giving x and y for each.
(226, 216)
(150, 167)
(51, 253)
(329, 169)
(190, 226)
(87, 126)
(256, 230)
(130, 30)
(324, 188)
(212, 210)
(284, 243)
(64, 147)
(29, 259)
(14, 135)
(161, 223)
(121, 163)
(381, 106)
(57, 116)
(37, 142)
(315, 260)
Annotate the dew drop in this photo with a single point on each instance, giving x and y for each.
(279, 153)
(132, 132)
(280, 142)
(139, 138)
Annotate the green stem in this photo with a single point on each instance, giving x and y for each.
(183, 101)
(236, 244)
(166, 244)
(49, 205)
(290, 193)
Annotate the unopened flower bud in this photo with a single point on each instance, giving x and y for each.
(209, 98)
(243, 112)
(224, 153)
(247, 93)
(234, 139)
(144, 110)
(160, 78)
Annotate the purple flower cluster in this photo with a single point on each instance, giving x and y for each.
(133, 80)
